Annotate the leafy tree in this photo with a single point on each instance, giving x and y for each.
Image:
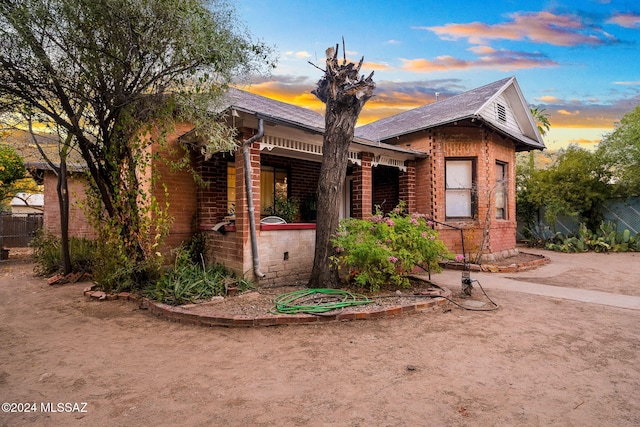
(526, 209)
(344, 92)
(12, 170)
(107, 73)
(620, 154)
(576, 184)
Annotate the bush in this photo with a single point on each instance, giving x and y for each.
(605, 239)
(384, 250)
(47, 253)
(114, 271)
(190, 282)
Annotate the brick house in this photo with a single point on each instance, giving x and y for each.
(453, 160)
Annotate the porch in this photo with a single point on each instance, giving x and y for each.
(285, 166)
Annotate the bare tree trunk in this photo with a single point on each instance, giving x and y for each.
(63, 202)
(63, 194)
(344, 93)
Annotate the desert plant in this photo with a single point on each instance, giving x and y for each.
(606, 238)
(384, 250)
(189, 282)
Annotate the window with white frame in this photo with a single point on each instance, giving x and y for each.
(459, 188)
(501, 190)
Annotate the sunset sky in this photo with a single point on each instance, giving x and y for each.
(579, 60)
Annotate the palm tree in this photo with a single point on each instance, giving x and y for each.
(542, 119)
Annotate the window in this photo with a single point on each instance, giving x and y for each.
(273, 184)
(501, 190)
(501, 112)
(231, 189)
(459, 194)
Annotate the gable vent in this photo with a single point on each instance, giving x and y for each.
(501, 112)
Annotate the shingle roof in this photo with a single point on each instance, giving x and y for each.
(23, 142)
(273, 110)
(291, 115)
(465, 105)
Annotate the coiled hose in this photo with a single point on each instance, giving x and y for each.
(316, 301)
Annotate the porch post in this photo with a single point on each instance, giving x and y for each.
(243, 242)
(407, 186)
(363, 188)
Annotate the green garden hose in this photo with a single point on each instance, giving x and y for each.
(316, 301)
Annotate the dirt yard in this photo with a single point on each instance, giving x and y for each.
(537, 361)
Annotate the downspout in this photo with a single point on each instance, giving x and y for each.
(249, 193)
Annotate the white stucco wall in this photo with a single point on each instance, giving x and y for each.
(286, 256)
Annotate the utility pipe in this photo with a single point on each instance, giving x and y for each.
(249, 193)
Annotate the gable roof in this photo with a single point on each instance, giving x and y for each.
(279, 112)
(474, 104)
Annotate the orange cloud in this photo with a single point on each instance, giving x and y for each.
(568, 113)
(504, 60)
(583, 141)
(627, 20)
(375, 66)
(538, 27)
(549, 99)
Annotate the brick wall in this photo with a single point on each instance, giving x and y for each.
(467, 141)
(181, 189)
(78, 224)
(180, 186)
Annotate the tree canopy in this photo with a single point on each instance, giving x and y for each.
(101, 71)
(620, 153)
(11, 171)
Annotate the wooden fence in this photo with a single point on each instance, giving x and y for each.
(17, 230)
(624, 213)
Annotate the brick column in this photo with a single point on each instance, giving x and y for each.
(407, 186)
(362, 203)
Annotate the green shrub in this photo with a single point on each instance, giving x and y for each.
(47, 253)
(605, 239)
(114, 271)
(190, 282)
(384, 250)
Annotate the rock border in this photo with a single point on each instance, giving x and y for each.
(492, 268)
(181, 315)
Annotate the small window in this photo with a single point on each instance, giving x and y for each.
(501, 111)
(231, 189)
(459, 185)
(501, 190)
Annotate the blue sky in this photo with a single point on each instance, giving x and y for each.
(579, 60)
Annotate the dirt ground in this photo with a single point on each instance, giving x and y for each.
(537, 361)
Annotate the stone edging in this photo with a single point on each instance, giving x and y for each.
(490, 268)
(181, 315)
(513, 268)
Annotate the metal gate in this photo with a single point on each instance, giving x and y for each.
(17, 230)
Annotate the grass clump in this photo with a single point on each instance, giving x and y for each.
(189, 281)
(47, 253)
